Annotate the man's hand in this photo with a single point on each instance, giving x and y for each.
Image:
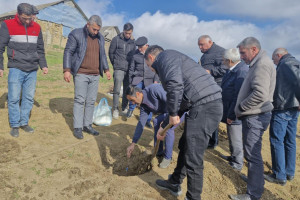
(229, 121)
(174, 120)
(159, 136)
(67, 76)
(130, 149)
(208, 71)
(45, 70)
(1, 72)
(108, 75)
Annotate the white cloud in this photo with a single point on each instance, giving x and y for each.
(270, 9)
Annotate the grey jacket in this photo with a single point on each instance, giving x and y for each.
(75, 51)
(256, 93)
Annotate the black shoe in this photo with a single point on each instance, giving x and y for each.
(233, 165)
(129, 113)
(272, 179)
(228, 158)
(175, 189)
(14, 132)
(289, 178)
(148, 124)
(27, 129)
(211, 146)
(90, 130)
(78, 133)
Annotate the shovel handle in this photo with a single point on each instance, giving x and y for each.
(163, 133)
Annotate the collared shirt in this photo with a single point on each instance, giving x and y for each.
(234, 66)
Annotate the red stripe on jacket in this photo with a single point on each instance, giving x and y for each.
(15, 27)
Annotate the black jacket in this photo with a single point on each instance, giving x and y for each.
(139, 71)
(287, 83)
(212, 60)
(185, 81)
(120, 52)
(75, 51)
(231, 85)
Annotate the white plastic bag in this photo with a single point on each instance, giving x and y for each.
(102, 113)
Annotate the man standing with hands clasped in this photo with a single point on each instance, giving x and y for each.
(85, 59)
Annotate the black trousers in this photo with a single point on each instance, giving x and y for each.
(200, 122)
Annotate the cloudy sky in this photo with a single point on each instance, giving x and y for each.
(177, 24)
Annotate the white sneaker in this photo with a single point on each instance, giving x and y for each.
(124, 112)
(116, 114)
(165, 163)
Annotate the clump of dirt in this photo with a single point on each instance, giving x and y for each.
(138, 163)
(9, 149)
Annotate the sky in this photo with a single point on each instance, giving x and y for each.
(177, 24)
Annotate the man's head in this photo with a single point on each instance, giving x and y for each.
(94, 25)
(204, 42)
(142, 44)
(127, 30)
(134, 94)
(25, 12)
(249, 48)
(150, 55)
(277, 55)
(231, 57)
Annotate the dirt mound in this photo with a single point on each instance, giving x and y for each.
(9, 149)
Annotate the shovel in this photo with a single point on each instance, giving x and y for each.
(163, 133)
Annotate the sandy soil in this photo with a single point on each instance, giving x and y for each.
(52, 164)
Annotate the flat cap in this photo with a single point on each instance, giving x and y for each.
(141, 41)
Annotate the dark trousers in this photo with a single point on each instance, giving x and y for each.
(253, 128)
(120, 77)
(214, 140)
(200, 122)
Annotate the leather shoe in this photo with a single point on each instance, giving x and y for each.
(289, 178)
(240, 197)
(272, 179)
(90, 130)
(78, 133)
(129, 113)
(175, 189)
(228, 158)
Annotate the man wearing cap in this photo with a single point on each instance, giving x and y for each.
(140, 75)
(85, 59)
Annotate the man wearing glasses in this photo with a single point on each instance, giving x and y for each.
(25, 51)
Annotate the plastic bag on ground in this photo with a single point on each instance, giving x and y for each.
(102, 113)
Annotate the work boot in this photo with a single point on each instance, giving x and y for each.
(175, 189)
(272, 179)
(116, 114)
(78, 133)
(90, 130)
(129, 113)
(27, 129)
(240, 197)
(165, 163)
(14, 131)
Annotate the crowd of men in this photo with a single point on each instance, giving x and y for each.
(239, 86)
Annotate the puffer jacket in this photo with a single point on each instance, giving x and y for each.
(25, 45)
(185, 81)
(121, 51)
(139, 71)
(76, 48)
(212, 60)
(287, 77)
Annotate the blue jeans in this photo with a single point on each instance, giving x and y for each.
(20, 81)
(132, 106)
(169, 140)
(253, 127)
(283, 128)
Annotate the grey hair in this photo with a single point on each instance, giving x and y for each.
(280, 51)
(232, 54)
(95, 19)
(249, 42)
(25, 8)
(207, 37)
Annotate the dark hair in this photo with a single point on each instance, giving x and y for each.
(25, 8)
(131, 91)
(153, 50)
(127, 27)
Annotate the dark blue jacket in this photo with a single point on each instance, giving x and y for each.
(154, 100)
(185, 81)
(139, 71)
(231, 84)
(76, 47)
(287, 83)
(212, 60)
